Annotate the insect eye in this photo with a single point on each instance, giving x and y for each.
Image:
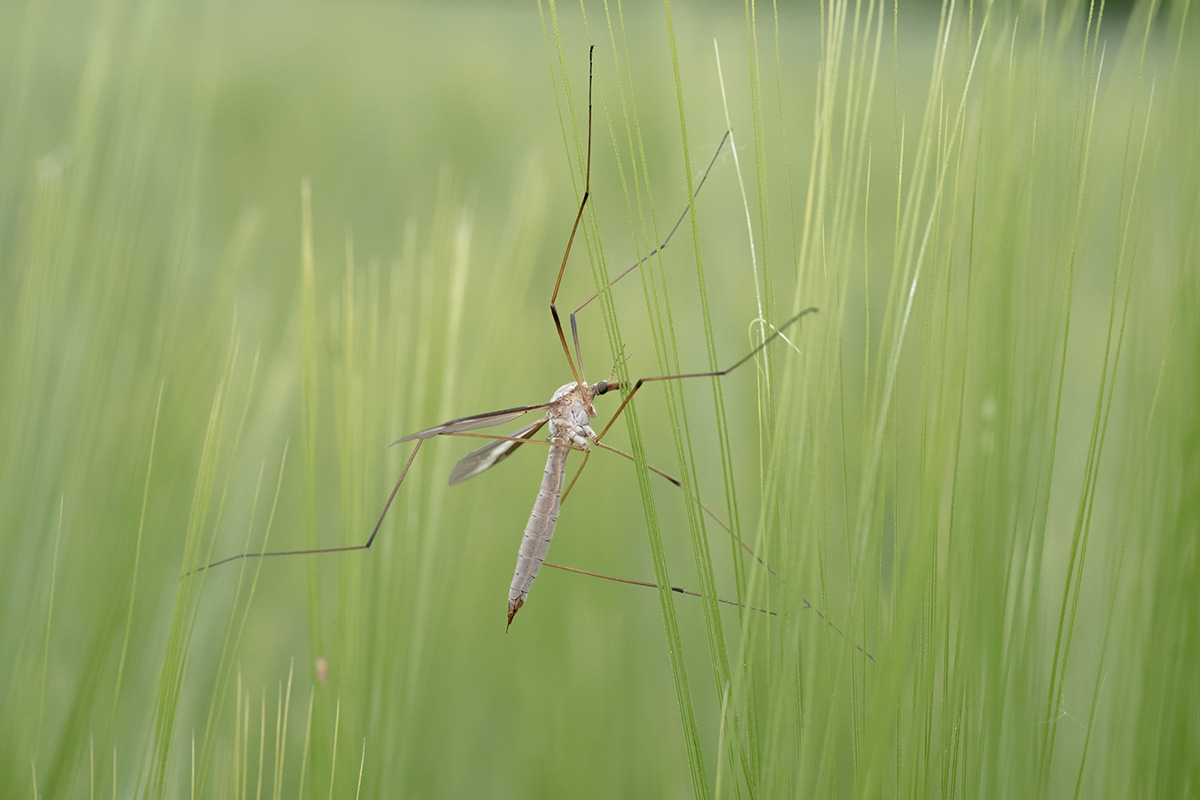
(601, 387)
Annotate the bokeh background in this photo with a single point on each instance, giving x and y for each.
(244, 247)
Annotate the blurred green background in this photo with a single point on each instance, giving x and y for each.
(243, 247)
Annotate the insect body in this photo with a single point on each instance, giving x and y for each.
(569, 415)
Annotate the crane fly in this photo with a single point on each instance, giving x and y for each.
(568, 415)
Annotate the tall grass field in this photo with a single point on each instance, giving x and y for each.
(245, 247)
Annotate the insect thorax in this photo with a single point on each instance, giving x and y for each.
(570, 413)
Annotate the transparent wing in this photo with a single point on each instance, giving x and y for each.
(472, 422)
(492, 453)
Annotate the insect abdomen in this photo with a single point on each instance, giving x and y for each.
(540, 528)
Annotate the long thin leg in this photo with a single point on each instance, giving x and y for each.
(656, 470)
(586, 454)
(661, 474)
(391, 497)
(679, 484)
(587, 184)
(649, 585)
(662, 246)
(343, 549)
(720, 373)
(778, 331)
(808, 606)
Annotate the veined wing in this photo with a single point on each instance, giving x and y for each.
(472, 422)
(492, 453)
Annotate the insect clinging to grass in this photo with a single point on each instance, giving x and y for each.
(568, 414)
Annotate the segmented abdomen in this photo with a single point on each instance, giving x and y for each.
(540, 528)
